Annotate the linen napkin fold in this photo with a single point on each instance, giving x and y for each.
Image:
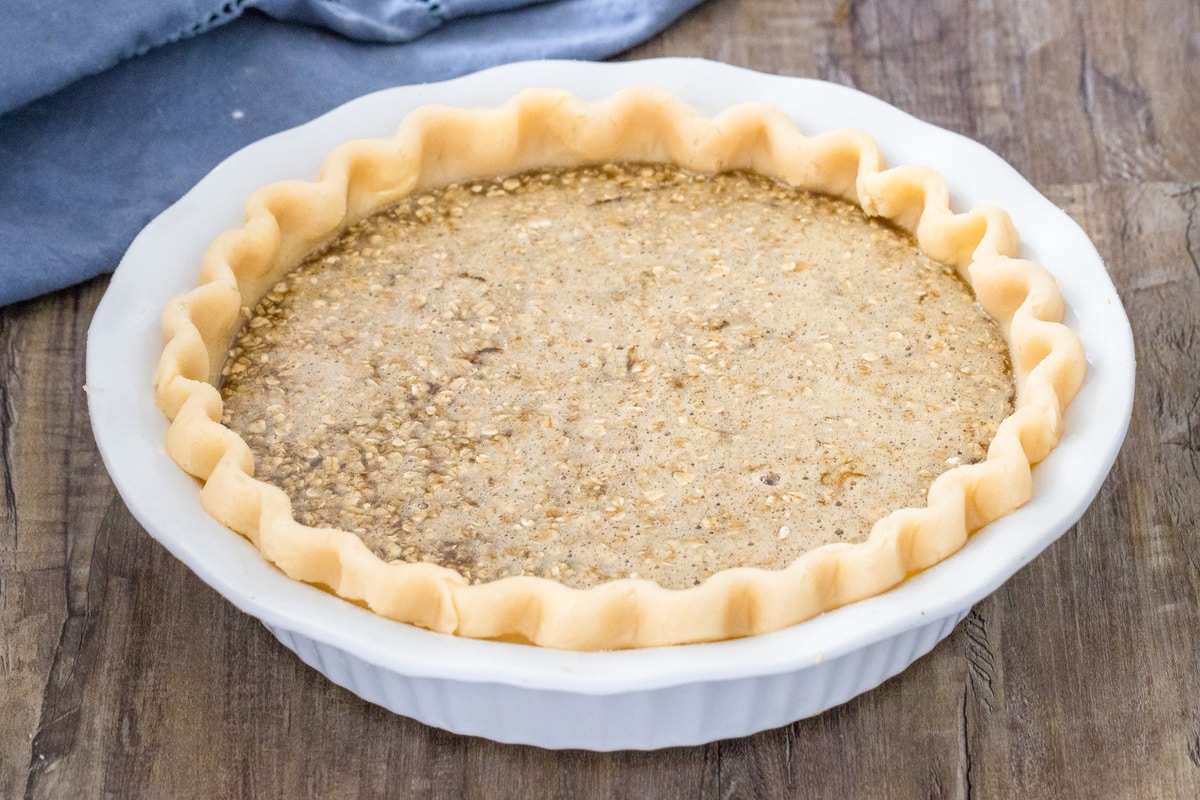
(45, 48)
(154, 95)
(383, 20)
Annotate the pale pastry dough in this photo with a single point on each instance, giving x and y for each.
(541, 129)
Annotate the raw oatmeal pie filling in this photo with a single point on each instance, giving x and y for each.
(605, 402)
(609, 372)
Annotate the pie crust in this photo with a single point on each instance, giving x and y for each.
(540, 128)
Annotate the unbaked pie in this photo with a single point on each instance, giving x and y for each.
(613, 375)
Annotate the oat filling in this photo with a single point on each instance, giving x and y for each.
(619, 371)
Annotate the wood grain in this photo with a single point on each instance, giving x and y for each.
(122, 675)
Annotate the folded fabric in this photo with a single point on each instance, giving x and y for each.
(84, 168)
(383, 20)
(43, 49)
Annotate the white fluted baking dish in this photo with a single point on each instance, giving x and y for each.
(632, 699)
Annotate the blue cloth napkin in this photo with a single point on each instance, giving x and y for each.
(110, 111)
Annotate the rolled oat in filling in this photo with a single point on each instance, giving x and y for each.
(619, 371)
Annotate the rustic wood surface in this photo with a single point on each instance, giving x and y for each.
(121, 674)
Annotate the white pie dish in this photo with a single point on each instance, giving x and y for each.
(633, 699)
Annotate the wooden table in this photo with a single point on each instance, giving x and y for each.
(122, 674)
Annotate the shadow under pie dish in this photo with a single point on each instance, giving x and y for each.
(620, 144)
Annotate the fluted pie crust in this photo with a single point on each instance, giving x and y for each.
(438, 146)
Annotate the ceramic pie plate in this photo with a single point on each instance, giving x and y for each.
(637, 699)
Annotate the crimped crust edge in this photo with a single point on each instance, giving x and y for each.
(543, 128)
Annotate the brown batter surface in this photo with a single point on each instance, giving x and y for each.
(619, 371)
